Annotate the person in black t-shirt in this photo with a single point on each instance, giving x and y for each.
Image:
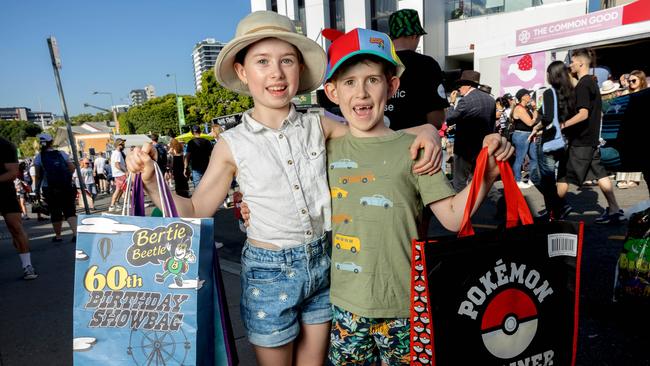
(583, 133)
(197, 156)
(10, 208)
(420, 97)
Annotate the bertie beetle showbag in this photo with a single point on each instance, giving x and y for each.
(503, 297)
(145, 290)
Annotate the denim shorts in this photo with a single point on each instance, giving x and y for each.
(283, 288)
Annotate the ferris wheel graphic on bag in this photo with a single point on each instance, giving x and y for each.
(152, 348)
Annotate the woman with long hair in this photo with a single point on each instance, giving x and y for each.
(559, 98)
(636, 81)
(178, 168)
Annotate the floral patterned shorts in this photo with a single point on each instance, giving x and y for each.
(356, 340)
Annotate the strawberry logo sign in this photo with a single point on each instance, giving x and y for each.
(523, 69)
(525, 63)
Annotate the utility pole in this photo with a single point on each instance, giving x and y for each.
(117, 123)
(179, 106)
(40, 108)
(56, 65)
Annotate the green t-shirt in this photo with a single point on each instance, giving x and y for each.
(376, 203)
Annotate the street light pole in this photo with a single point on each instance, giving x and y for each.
(117, 123)
(56, 65)
(178, 112)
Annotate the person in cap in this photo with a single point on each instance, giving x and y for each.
(54, 178)
(524, 117)
(421, 97)
(118, 170)
(474, 117)
(278, 156)
(197, 156)
(371, 260)
(583, 134)
(10, 207)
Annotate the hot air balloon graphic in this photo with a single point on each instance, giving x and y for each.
(105, 246)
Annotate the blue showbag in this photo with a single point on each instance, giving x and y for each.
(145, 290)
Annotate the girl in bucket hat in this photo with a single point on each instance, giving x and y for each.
(278, 157)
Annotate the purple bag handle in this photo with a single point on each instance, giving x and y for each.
(136, 207)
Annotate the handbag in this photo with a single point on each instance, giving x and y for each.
(558, 140)
(146, 289)
(40, 207)
(502, 297)
(632, 272)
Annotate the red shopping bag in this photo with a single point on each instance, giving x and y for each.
(505, 297)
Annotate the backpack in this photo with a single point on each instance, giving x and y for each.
(162, 156)
(56, 170)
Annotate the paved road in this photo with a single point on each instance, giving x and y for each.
(36, 316)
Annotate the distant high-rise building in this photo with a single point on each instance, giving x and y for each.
(204, 57)
(138, 96)
(150, 91)
(26, 114)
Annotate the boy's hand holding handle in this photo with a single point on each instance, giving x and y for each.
(499, 149)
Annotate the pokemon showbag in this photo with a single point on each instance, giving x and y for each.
(505, 297)
(145, 289)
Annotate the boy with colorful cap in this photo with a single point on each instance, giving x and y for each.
(376, 203)
(278, 158)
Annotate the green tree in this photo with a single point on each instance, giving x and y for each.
(157, 115)
(214, 100)
(17, 131)
(88, 117)
(29, 146)
(55, 126)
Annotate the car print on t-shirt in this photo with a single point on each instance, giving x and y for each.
(361, 178)
(348, 266)
(344, 164)
(341, 218)
(338, 192)
(347, 242)
(376, 200)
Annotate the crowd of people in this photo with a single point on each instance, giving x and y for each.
(560, 140)
(48, 182)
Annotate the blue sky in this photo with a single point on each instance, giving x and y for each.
(112, 46)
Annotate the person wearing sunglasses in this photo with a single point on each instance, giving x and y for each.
(637, 81)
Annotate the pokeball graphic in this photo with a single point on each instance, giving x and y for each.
(509, 323)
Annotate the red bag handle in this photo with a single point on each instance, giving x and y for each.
(516, 207)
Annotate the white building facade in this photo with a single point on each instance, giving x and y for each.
(204, 56)
(150, 92)
(138, 96)
(474, 34)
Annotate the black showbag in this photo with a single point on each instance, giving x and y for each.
(505, 297)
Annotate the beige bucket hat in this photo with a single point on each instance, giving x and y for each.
(267, 24)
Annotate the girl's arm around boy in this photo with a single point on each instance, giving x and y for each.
(427, 138)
